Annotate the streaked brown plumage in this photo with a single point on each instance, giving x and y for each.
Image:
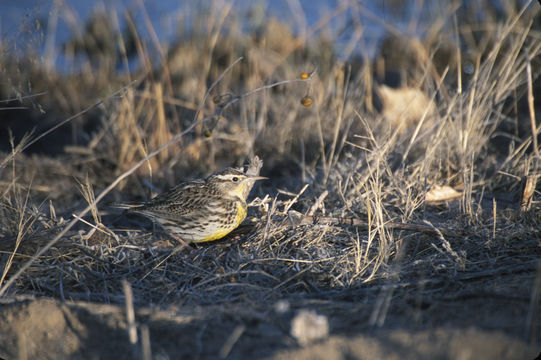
(200, 210)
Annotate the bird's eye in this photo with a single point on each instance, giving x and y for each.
(235, 179)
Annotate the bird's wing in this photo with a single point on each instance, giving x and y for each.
(177, 202)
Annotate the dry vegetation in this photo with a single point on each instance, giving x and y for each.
(352, 167)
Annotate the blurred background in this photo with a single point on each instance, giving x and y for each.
(50, 27)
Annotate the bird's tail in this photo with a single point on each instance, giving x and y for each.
(126, 205)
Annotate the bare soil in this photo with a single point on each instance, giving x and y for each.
(471, 323)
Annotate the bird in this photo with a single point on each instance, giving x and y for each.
(200, 210)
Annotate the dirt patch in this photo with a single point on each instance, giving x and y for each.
(49, 329)
(439, 343)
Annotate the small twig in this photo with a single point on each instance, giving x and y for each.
(15, 108)
(23, 97)
(61, 283)
(294, 200)
(318, 203)
(377, 318)
(202, 103)
(531, 106)
(529, 190)
(298, 219)
(221, 108)
(266, 230)
(253, 170)
(233, 338)
(95, 227)
(130, 313)
(177, 249)
(447, 246)
(494, 213)
(145, 343)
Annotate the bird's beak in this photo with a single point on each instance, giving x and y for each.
(257, 178)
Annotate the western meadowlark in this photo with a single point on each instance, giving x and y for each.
(200, 210)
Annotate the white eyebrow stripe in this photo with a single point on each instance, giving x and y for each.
(230, 176)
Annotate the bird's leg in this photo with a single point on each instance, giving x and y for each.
(183, 243)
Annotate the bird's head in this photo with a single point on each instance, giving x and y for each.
(232, 182)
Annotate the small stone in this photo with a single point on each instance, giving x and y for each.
(281, 306)
(308, 326)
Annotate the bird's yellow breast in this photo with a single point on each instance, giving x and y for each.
(223, 231)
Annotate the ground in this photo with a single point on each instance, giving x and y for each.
(401, 217)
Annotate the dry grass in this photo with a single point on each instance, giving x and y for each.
(358, 164)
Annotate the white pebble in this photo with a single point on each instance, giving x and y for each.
(308, 326)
